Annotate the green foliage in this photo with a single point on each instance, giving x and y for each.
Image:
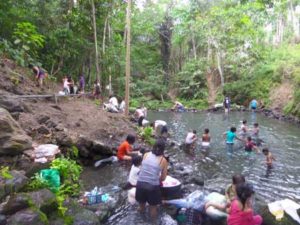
(73, 152)
(147, 135)
(70, 172)
(4, 173)
(36, 183)
(27, 39)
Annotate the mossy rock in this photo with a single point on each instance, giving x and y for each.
(269, 219)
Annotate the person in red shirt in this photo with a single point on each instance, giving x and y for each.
(125, 149)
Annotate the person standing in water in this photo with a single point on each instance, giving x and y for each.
(230, 136)
(153, 171)
(269, 158)
(249, 146)
(253, 105)
(226, 104)
(205, 138)
(191, 141)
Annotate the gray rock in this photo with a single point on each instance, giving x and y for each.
(101, 148)
(2, 220)
(51, 124)
(43, 199)
(86, 217)
(15, 203)
(28, 217)
(13, 139)
(43, 130)
(43, 119)
(13, 104)
(16, 183)
(62, 139)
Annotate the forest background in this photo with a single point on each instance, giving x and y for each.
(195, 51)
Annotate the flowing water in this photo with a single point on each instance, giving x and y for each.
(283, 140)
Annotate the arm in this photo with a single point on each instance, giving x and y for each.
(164, 171)
(224, 135)
(256, 149)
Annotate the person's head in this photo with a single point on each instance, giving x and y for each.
(152, 124)
(130, 139)
(159, 147)
(244, 122)
(137, 160)
(255, 124)
(249, 138)
(206, 130)
(233, 129)
(194, 132)
(238, 179)
(140, 121)
(244, 192)
(265, 151)
(30, 66)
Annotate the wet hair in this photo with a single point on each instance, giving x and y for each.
(233, 129)
(159, 147)
(194, 131)
(140, 121)
(255, 124)
(130, 139)
(265, 150)
(244, 191)
(206, 130)
(244, 121)
(249, 138)
(238, 179)
(137, 160)
(30, 66)
(152, 124)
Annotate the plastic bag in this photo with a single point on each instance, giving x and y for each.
(52, 177)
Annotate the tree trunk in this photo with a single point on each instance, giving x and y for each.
(165, 34)
(219, 61)
(194, 45)
(96, 44)
(127, 89)
(104, 34)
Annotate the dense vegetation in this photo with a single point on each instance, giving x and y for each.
(193, 50)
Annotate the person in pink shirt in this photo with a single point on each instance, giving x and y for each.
(241, 212)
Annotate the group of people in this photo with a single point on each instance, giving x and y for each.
(251, 140)
(72, 87)
(253, 105)
(113, 105)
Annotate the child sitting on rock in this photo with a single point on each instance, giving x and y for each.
(241, 212)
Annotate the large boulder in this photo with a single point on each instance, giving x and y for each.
(13, 140)
(9, 185)
(13, 104)
(28, 217)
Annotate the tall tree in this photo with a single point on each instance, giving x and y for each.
(96, 43)
(128, 38)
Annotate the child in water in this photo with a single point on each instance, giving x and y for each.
(241, 212)
(134, 171)
(244, 128)
(206, 138)
(230, 136)
(249, 146)
(269, 157)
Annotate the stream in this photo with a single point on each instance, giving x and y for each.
(216, 168)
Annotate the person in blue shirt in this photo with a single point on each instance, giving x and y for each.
(230, 136)
(253, 104)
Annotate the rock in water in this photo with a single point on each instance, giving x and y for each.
(13, 140)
